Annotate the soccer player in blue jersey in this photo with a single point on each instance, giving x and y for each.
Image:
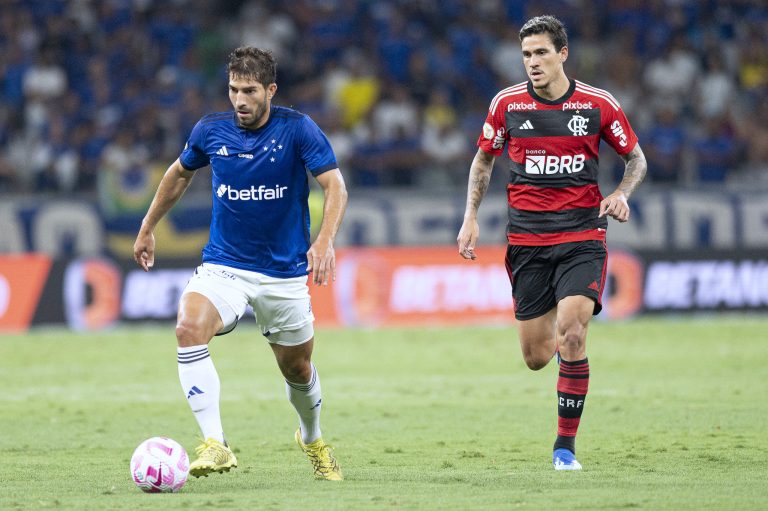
(259, 251)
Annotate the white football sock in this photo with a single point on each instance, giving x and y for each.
(201, 386)
(307, 399)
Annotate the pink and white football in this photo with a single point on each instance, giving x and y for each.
(159, 465)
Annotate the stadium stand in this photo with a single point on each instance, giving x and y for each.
(91, 88)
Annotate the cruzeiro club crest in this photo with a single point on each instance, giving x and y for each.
(578, 125)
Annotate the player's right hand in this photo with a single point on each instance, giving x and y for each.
(144, 250)
(467, 239)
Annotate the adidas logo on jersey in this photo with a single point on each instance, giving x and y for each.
(223, 151)
(526, 125)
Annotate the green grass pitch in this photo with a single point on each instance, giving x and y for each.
(420, 419)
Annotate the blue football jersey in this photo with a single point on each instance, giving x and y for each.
(260, 219)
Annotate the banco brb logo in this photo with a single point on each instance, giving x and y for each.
(551, 164)
(578, 125)
(261, 193)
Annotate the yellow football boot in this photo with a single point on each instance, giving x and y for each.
(321, 456)
(212, 456)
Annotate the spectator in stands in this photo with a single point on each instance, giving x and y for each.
(443, 143)
(7, 176)
(753, 61)
(260, 28)
(716, 150)
(396, 114)
(395, 47)
(444, 146)
(358, 96)
(63, 164)
(13, 68)
(716, 88)
(670, 77)
(664, 146)
(505, 51)
(753, 129)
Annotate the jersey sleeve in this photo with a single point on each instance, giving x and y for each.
(314, 148)
(494, 134)
(194, 156)
(617, 131)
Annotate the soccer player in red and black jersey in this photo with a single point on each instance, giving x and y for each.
(556, 254)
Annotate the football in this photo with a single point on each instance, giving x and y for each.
(159, 465)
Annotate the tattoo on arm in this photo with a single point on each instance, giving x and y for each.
(634, 172)
(479, 178)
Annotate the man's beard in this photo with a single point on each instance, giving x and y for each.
(261, 109)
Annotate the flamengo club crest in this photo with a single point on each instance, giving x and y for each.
(578, 125)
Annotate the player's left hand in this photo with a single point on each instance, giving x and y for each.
(615, 206)
(467, 239)
(144, 250)
(321, 261)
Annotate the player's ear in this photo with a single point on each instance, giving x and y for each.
(563, 54)
(271, 90)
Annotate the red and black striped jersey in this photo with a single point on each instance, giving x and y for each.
(553, 192)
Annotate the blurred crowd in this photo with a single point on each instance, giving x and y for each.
(108, 90)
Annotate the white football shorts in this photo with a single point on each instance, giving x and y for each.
(282, 307)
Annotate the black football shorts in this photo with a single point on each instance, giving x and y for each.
(541, 276)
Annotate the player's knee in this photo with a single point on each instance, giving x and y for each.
(571, 342)
(190, 334)
(296, 371)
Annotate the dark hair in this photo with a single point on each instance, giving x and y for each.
(255, 63)
(546, 25)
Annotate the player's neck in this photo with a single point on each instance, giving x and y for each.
(555, 89)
